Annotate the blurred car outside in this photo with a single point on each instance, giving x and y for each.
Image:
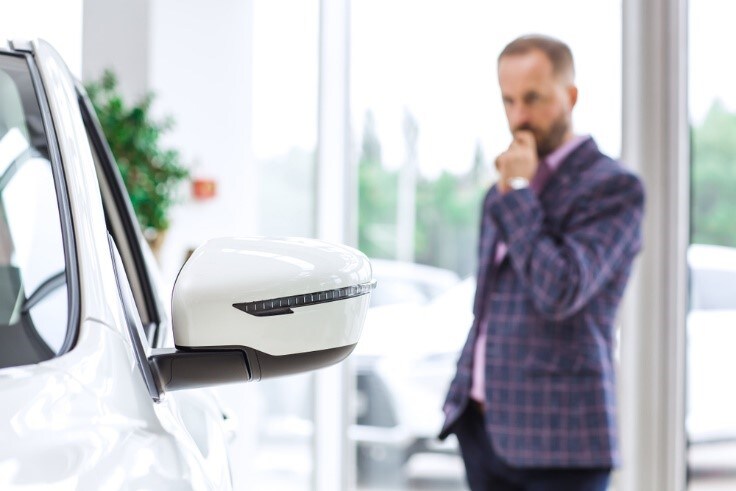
(408, 354)
(406, 282)
(711, 336)
(403, 365)
(401, 286)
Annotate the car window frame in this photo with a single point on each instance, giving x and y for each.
(131, 252)
(133, 322)
(63, 205)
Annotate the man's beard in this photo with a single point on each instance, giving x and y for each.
(551, 140)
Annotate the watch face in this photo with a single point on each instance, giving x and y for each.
(518, 183)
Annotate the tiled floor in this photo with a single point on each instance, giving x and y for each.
(713, 467)
(286, 467)
(713, 485)
(715, 464)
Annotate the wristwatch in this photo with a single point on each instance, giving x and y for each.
(518, 183)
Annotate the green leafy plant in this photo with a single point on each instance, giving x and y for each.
(151, 173)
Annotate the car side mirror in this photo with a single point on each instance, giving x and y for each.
(252, 308)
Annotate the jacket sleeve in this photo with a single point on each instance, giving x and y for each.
(564, 269)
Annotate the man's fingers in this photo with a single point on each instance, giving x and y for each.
(524, 137)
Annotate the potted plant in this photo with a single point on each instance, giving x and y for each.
(151, 173)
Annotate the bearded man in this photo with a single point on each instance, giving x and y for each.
(533, 400)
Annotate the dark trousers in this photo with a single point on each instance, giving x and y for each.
(485, 471)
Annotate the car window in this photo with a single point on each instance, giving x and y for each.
(123, 229)
(34, 302)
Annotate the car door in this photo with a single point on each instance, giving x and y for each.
(40, 291)
(79, 408)
(199, 417)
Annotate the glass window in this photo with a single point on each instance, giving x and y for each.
(711, 321)
(33, 287)
(285, 65)
(123, 228)
(427, 121)
(284, 113)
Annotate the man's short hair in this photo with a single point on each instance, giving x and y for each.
(555, 50)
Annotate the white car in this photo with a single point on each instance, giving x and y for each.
(404, 364)
(407, 357)
(406, 282)
(90, 362)
(711, 337)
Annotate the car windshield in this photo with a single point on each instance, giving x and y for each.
(33, 300)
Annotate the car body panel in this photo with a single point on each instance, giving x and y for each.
(96, 277)
(96, 410)
(71, 424)
(85, 419)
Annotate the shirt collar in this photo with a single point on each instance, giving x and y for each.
(554, 159)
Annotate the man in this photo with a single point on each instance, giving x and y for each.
(533, 400)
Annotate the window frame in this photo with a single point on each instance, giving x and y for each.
(116, 200)
(62, 198)
(656, 142)
(133, 322)
(135, 288)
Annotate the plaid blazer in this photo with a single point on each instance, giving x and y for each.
(551, 303)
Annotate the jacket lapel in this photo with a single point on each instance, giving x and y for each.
(487, 248)
(557, 185)
(569, 169)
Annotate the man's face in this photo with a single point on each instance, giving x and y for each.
(536, 99)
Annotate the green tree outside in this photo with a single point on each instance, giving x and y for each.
(448, 207)
(447, 210)
(377, 198)
(713, 205)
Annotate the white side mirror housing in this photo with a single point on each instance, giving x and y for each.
(253, 308)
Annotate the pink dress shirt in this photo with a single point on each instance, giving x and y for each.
(546, 168)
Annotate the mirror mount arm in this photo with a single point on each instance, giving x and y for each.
(178, 369)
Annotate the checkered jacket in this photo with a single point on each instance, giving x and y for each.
(550, 305)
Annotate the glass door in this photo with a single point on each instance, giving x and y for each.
(711, 322)
(427, 124)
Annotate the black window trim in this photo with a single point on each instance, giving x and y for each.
(123, 205)
(65, 214)
(132, 319)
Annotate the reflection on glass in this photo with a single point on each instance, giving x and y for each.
(33, 299)
(284, 124)
(427, 123)
(711, 322)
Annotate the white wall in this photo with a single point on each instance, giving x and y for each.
(199, 63)
(115, 34)
(196, 59)
(59, 23)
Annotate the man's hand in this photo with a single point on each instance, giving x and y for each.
(520, 160)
